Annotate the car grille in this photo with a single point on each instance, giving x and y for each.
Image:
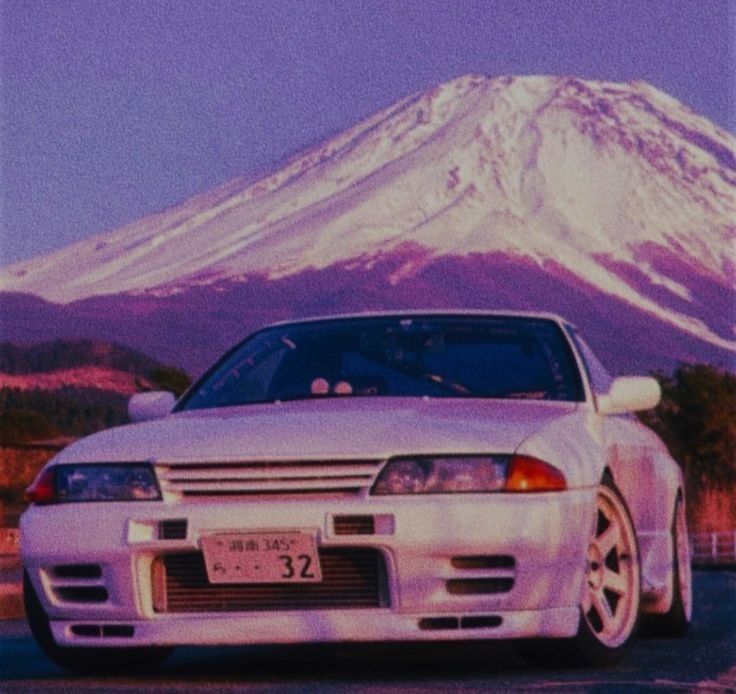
(351, 578)
(272, 477)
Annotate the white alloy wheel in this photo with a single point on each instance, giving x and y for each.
(612, 592)
(609, 608)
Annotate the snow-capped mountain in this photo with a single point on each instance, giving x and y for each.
(537, 192)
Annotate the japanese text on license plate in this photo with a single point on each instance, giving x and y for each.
(268, 557)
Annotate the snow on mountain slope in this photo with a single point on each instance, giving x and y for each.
(618, 185)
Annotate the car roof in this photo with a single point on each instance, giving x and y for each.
(426, 313)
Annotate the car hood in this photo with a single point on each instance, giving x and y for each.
(339, 427)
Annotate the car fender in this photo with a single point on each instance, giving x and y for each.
(572, 445)
(635, 454)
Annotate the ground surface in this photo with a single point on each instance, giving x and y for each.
(704, 661)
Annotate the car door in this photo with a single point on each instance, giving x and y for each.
(632, 452)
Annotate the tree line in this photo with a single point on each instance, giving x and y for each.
(70, 411)
(58, 355)
(697, 420)
(73, 411)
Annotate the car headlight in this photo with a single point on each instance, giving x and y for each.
(94, 482)
(467, 474)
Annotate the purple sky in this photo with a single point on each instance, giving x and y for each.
(111, 110)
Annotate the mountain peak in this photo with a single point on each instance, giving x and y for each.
(619, 185)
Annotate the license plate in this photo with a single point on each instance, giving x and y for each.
(269, 557)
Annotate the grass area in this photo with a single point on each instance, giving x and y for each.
(11, 596)
(11, 602)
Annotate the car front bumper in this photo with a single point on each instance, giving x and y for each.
(456, 567)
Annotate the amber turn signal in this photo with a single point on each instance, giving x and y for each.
(527, 474)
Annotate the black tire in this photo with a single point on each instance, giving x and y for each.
(601, 639)
(676, 621)
(85, 659)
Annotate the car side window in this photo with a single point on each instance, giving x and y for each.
(600, 379)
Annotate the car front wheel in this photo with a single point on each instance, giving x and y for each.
(609, 611)
(85, 659)
(611, 597)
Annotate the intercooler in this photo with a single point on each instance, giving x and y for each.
(352, 578)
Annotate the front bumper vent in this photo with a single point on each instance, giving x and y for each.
(83, 571)
(352, 578)
(438, 623)
(469, 622)
(81, 594)
(482, 574)
(78, 583)
(490, 561)
(354, 525)
(174, 529)
(111, 631)
(479, 586)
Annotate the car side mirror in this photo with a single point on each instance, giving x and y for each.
(630, 394)
(155, 404)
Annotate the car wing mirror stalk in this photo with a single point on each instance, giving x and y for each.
(155, 404)
(630, 394)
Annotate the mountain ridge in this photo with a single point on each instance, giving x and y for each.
(618, 188)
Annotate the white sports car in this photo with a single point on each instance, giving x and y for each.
(390, 477)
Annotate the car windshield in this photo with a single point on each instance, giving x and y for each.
(438, 357)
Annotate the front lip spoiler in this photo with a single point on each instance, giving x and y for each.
(323, 626)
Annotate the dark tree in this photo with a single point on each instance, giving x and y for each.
(170, 378)
(697, 421)
(21, 425)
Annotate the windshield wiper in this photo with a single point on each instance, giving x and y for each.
(420, 374)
